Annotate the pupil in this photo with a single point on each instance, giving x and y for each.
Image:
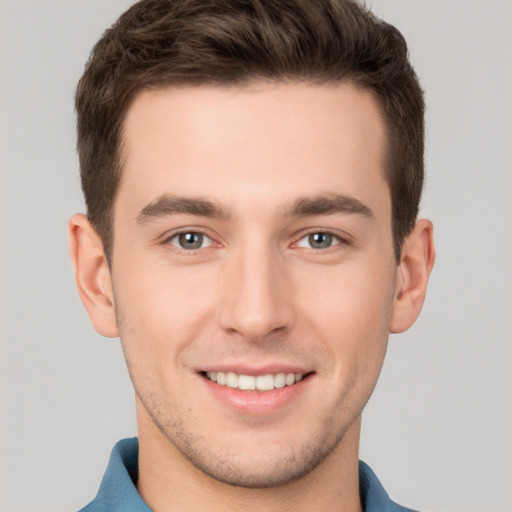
(191, 240)
(320, 240)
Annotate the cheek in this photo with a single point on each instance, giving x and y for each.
(350, 309)
(154, 310)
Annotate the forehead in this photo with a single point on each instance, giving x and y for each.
(231, 142)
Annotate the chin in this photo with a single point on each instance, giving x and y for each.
(259, 474)
(260, 465)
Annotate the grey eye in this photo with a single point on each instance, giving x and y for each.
(190, 241)
(319, 240)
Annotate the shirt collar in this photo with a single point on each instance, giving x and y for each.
(373, 496)
(118, 493)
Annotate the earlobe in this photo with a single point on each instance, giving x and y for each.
(92, 275)
(416, 262)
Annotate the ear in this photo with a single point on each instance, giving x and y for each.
(416, 262)
(92, 275)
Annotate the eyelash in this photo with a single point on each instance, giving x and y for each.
(337, 241)
(176, 235)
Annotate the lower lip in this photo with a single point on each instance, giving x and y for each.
(257, 402)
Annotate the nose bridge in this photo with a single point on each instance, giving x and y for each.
(255, 302)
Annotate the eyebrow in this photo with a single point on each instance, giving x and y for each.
(168, 205)
(328, 204)
(325, 204)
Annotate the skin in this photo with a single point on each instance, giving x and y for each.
(258, 294)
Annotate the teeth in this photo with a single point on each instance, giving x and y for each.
(246, 382)
(265, 382)
(231, 380)
(280, 380)
(259, 383)
(289, 379)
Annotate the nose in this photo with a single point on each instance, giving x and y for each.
(256, 297)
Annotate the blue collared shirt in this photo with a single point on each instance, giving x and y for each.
(118, 492)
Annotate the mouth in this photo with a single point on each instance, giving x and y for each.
(267, 382)
(257, 392)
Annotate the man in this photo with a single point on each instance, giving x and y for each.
(252, 172)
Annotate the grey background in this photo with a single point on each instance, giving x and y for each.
(438, 430)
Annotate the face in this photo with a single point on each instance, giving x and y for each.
(253, 272)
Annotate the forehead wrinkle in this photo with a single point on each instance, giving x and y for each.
(328, 204)
(170, 205)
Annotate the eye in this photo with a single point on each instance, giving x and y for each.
(319, 240)
(190, 240)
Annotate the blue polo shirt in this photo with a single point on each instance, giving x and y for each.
(118, 492)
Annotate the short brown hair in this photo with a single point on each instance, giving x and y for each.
(159, 43)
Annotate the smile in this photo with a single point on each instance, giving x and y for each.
(254, 383)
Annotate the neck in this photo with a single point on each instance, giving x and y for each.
(168, 482)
